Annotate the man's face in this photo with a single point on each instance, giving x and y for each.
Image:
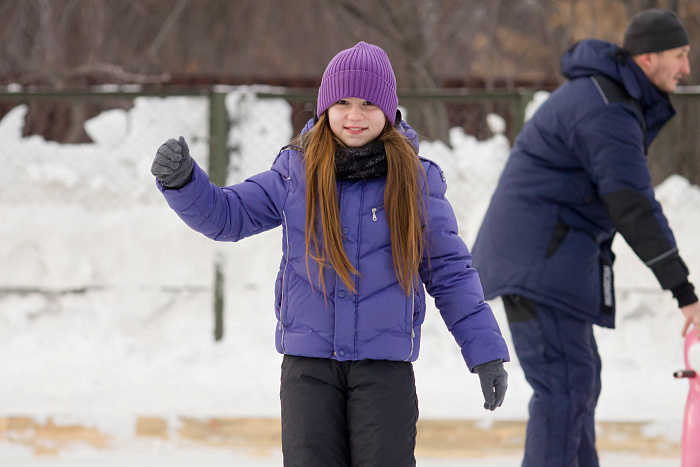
(666, 68)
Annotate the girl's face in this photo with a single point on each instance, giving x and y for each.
(356, 121)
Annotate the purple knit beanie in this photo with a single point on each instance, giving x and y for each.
(363, 71)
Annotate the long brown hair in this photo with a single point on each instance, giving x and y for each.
(403, 204)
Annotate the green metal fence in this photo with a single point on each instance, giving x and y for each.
(88, 152)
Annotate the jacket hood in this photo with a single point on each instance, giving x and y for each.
(592, 57)
(597, 57)
(403, 128)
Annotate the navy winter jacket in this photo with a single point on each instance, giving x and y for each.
(379, 321)
(577, 174)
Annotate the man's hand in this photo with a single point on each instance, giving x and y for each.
(692, 316)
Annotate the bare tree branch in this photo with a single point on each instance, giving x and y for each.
(116, 72)
(167, 26)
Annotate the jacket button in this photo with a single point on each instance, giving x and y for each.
(345, 230)
(341, 352)
(341, 294)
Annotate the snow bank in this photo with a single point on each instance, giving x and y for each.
(106, 296)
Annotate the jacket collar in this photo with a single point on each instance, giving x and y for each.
(597, 57)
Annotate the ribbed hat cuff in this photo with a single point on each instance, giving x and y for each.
(360, 84)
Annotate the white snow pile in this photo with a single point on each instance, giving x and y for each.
(106, 297)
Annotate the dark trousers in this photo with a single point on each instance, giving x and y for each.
(559, 356)
(352, 413)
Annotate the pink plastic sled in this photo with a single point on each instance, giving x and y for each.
(690, 442)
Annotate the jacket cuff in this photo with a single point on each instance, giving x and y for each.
(685, 294)
(671, 272)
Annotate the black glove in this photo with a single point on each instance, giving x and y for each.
(494, 382)
(173, 165)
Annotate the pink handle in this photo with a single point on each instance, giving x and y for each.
(690, 445)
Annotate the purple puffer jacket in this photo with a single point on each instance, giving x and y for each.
(379, 321)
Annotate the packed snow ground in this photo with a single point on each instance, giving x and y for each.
(106, 297)
(151, 456)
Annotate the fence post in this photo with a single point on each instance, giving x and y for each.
(218, 297)
(218, 169)
(524, 98)
(218, 138)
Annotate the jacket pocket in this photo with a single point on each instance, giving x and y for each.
(279, 284)
(375, 228)
(414, 310)
(376, 212)
(557, 238)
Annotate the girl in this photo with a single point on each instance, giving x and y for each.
(365, 224)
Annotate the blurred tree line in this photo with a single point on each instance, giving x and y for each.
(495, 44)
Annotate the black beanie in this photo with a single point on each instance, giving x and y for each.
(654, 30)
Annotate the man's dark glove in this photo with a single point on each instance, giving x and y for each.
(173, 164)
(494, 382)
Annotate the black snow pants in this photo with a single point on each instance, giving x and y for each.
(348, 414)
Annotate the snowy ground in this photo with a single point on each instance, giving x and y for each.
(106, 296)
(149, 455)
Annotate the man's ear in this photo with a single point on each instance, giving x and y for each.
(645, 61)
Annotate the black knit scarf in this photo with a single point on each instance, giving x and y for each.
(363, 163)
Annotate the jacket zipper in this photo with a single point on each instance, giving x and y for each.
(413, 301)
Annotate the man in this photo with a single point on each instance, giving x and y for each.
(577, 174)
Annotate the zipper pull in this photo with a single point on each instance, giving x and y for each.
(374, 214)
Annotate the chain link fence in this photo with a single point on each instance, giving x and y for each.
(105, 167)
(95, 148)
(85, 157)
